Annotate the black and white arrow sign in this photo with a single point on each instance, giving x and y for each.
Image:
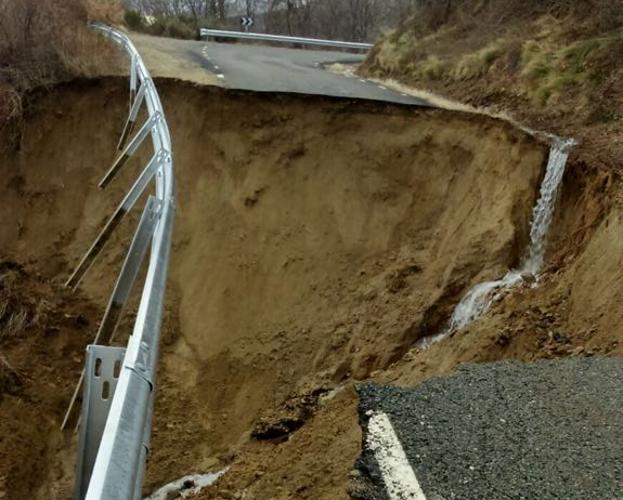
(246, 22)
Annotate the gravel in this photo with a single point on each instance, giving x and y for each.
(508, 430)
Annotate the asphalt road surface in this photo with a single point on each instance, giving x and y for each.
(267, 69)
(547, 430)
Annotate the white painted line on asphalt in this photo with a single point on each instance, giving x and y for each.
(382, 88)
(362, 80)
(220, 75)
(216, 67)
(398, 475)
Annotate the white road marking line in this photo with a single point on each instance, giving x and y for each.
(362, 80)
(404, 95)
(382, 88)
(398, 475)
(220, 75)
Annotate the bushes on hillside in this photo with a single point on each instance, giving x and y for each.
(430, 15)
(172, 26)
(133, 20)
(43, 42)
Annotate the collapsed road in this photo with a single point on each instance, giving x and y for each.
(319, 240)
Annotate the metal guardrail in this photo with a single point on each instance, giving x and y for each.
(204, 32)
(115, 422)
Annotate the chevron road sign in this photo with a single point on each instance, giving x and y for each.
(246, 22)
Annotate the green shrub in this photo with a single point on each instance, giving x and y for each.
(133, 20)
(577, 54)
(177, 28)
(489, 55)
(174, 27)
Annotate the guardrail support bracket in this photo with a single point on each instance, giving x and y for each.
(103, 366)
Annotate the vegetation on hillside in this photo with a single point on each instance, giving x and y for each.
(356, 20)
(558, 59)
(46, 41)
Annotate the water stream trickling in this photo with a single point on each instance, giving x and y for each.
(479, 298)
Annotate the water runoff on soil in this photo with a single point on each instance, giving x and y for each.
(479, 298)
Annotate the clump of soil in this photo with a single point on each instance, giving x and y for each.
(315, 462)
(279, 423)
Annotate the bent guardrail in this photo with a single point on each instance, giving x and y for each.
(118, 384)
(204, 32)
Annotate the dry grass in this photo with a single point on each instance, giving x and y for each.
(110, 11)
(15, 315)
(552, 52)
(46, 41)
(548, 70)
(476, 64)
(14, 324)
(18, 311)
(431, 15)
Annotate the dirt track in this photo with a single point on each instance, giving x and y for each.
(316, 240)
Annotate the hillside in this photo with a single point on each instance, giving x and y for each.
(553, 65)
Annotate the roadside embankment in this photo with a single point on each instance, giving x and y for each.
(316, 241)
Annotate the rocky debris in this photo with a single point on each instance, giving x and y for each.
(543, 326)
(279, 423)
(360, 488)
(544, 430)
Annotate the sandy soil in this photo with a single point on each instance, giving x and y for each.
(316, 241)
(165, 57)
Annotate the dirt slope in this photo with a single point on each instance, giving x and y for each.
(553, 66)
(316, 241)
(43, 331)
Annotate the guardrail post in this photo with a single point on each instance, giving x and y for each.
(103, 366)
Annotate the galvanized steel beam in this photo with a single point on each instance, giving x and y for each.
(285, 39)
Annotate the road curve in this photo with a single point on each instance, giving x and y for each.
(262, 69)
